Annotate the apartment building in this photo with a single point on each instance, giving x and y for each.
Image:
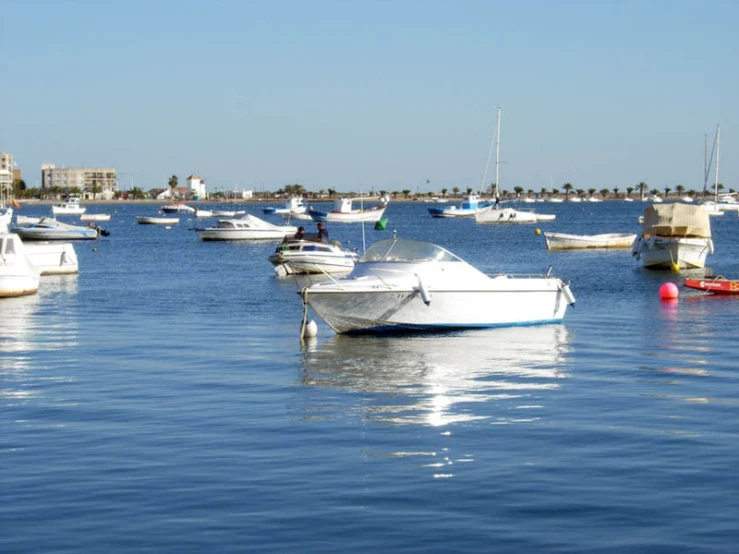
(6, 174)
(93, 182)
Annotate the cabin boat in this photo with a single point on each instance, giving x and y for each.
(295, 204)
(177, 208)
(343, 212)
(248, 227)
(49, 228)
(674, 236)
(70, 206)
(298, 257)
(469, 205)
(402, 285)
(156, 220)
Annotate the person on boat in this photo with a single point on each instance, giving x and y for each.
(322, 233)
(299, 235)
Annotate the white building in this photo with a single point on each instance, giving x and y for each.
(6, 175)
(196, 185)
(93, 182)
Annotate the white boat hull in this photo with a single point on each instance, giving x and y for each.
(244, 234)
(563, 241)
(357, 311)
(505, 216)
(670, 252)
(147, 220)
(18, 276)
(371, 215)
(95, 217)
(53, 258)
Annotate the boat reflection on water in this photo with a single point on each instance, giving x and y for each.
(441, 379)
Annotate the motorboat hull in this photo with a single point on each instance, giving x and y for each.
(506, 216)
(672, 252)
(309, 257)
(213, 234)
(95, 217)
(564, 241)
(383, 311)
(53, 258)
(18, 276)
(178, 209)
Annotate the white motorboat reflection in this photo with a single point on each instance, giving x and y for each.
(496, 374)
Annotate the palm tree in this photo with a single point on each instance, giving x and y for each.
(443, 192)
(568, 188)
(406, 192)
(642, 187)
(172, 185)
(604, 193)
(667, 192)
(455, 190)
(629, 190)
(615, 192)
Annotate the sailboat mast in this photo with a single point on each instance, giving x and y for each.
(497, 154)
(490, 154)
(718, 150)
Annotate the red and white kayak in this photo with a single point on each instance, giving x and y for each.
(716, 285)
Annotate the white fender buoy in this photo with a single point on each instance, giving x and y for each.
(425, 292)
(280, 271)
(311, 329)
(568, 295)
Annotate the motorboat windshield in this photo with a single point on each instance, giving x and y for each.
(406, 250)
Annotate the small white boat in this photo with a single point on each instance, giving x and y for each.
(344, 213)
(18, 276)
(70, 206)
(156, 220)
(468, 207)
(564, 241)
(295, 204)
(226, 213)
(49, 228)
(53, 258)
(510, 215)
(299, 216)
(402, 285)
(95, 217)
(178, 208)
(248, 227)
(674, 236)
(299, 257)
(438, 200)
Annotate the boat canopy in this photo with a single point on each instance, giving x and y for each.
(676, 220)
(406, 250)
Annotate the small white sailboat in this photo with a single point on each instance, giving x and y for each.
(496, 214)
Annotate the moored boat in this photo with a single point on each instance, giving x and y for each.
(177, 208)
(70, 206)
(95, 217)
(402, 285)
(48, 228)
(156, 220)
(248, 227)
(468, 206)
(715, 285)
(53, 258)
(674, 236)
(565, 241)
(295, 204)
(343, 212)
(297, 257)
(18, 276)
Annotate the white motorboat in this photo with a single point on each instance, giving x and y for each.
(156, 220)
(226, 213)
(564, 241)
(18, 276)
(178, 208)
(505, 215)
(49, 228)
(299, 216)
(295, 204)
(53, 258)
(674, 236)
(297, 257)
(248, 227)
(95, 217)
(343, 212)
(406, 285)
(469, 205)
(70, 206)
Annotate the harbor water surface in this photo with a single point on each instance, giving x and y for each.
(162, 401)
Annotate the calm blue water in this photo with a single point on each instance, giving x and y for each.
(161, 401)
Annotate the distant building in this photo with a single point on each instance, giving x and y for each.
(240, 194)
(6, 174)
(93, 182)
(196, 185)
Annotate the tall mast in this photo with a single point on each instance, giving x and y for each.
(497, 154)
(718, 149)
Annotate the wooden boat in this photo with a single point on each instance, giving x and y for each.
(564, 241)
(715, 285)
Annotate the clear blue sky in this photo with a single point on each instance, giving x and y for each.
(372, 94)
